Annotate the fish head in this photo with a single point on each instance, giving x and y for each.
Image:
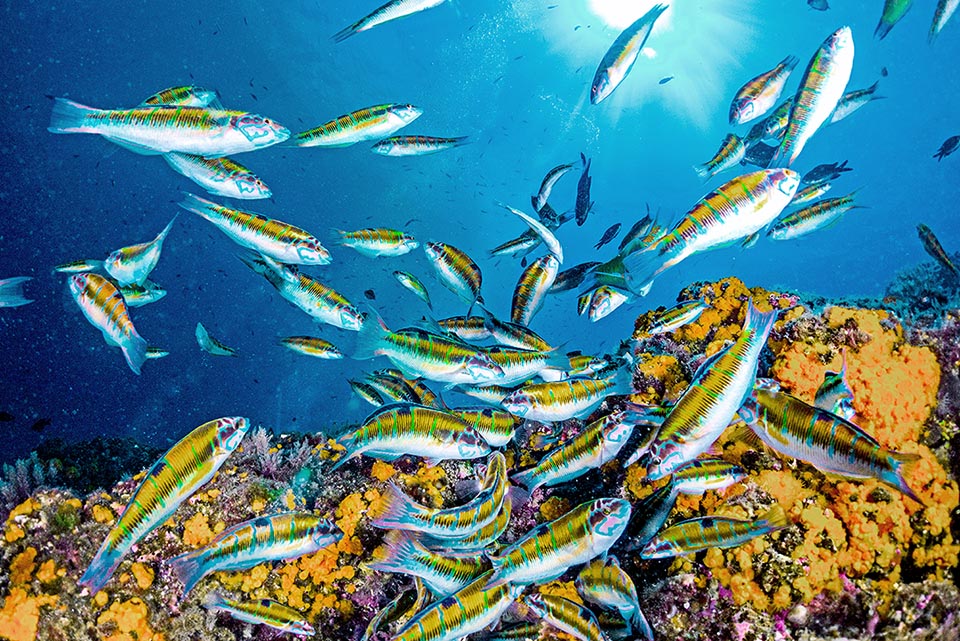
(603, 85)
(311, 252)
(534, 601)
(517, 403)
(323, 531)
(407, 113)
(609, 516)
(300, 627)
(786, 181)
(230, 432)
(260, 130)
(248, 184)
(616, 429)
(408, 242)
(351, 319)
(433, 250)
(470, 444)
(482, 369)
(664, 458)
(741, 111)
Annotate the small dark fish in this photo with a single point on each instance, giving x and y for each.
(948, 147)
(254, 96)
(884, 72)
(6, 417)
(664, 81)
(370, 295)
(819, 5)
(825, 173)
(935, 249)
(608, 235)
(649, 515)
(572, 278)
(640, 229)
(39, 425)
(759, 154)
(583, 205)
(523, 261)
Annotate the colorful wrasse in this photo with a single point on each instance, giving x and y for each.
(261, 612)
(676, 317)
(393, 388)
(495, 426)
(702, 474)
(572, 278)
(177, 475)
(641, 233)
(160, 129)
(466, 328)
(531, 289)
(546, 186)
(210, 344)
(580, 365)
(370, 123)
(481, 540)
(775, 125)
(649, 515)
(79, 266)
(933, 247)
(821, 88)
(707, 532)
(834, 394)
(143, 294)
(565, 615)
(760, 94)
(493, 394)
(272, 238)
(456, 270)
(312, 346)
(717, 391)
(183, 96)
(219, 176)
(810, 193)
(733, 211)
(405, 429)
(475, 607)
(548, 550)
(104, 307)
(619, 59)
(131, 265)
(731, 152)
(323, 303)
(606, 584)
(444, 575)
(367, 392)
(278, 537)
(819, 215)
(378, 242)
(562, 400)
(514, 334)
(893, 12)
(392, 10)
(828, 442)
(413, 284)
(399, 610)
(11, 292)
(522, 244)
(945, 11)
(853, 100)
(604, 301)
(398, 146)
(551, 242)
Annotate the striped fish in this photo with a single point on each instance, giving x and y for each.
(472, 609)
(131, 265)
(760, 94)
(548, 550)
(393, 387)
(392, 10)
(443, 575)
(278, 537)
(933, 247)
(367, 392)
(161, 129)
(144, 294)
(493, 394)
(370, 123)
(810, 193)
(579, 365)
(546, 186)
(480, 540)
(541, 230)
(11, 292)
(272, 238)
(495, 426)
(312, 346)
(79, 266)
(531, 290)
(219, 176)
(183, 96)
(177, 475)
(513, 334)
(641, 233)
(731, 152)
(210, 344)
(520, 365)
(422, 394)
(604, 583)
(702, 474)
(694, 535)
(404, 429)
(260, 612)
(732, 212)
(717, 391)
(829, 442)
(323, 303)
(834, 394)
(621, 56)
(893, 12)
(399, 146)
(572, 278)
(378, 242)
(649, 515)
(105, 309)
(572, 398)
(157, 352)
(821, 88)
(945, 11)
(775, 125)
(853, 101)
(521, 245)
(466, 328)
(399, 610)
(604, 301)
(677, 316)
(413, 284)
(819, 215)
(457, 271)
(400, 512)
(566, 616)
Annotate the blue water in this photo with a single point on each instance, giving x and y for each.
(514, 77)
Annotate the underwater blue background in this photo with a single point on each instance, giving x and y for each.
(514, 77)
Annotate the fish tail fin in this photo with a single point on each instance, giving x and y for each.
(774, 518)
(394, 554)
(199, 206)
(339, 233)
(460, 141)
(398, 508)
(70, 117)
(790, 62)
(640, 268)
(213, 599)
(760, 323)
(370, 337)
(188, 568)
(162, 236)
(135, 351)
(346, 32)
(883, 28)
(101, 568)
(902, 466)
(640, 626)
(703, 171)
(526, 479)
(11, 292)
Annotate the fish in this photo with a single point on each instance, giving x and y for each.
(548, 550)
(210, 344)
(551, 242)
(398, 146)
(583, 204)
(392, 387)
(6, 417)
(171, 480)
(854, 100)
(665, 80)
(369, 294)
(403, 429)
(810, 193)
(703, 474)
(834, 394)
(274, 239)
(716, 392)
(604, 301)
(392, 10)
(546, 186)
(322, 303)
(399, 610)
(104, 307)
(482, 540)
(731, 152)
(531, 289)
(219, 176)
(572, 278)
(819, 215)
(949, 146)
(79, 266)
(760, 94)
(369, 123)
(608, 235)
(562, 400)
(639, 232)
(466, 328)
(157, 352)
(821, 88)
(649, 515)
(775, 125)
(140, 295)
(400, 553)
(522, 244)
(893, 12)
(456, 271)
(183, 96)
(131, 265)
(159, 129)
(604, 583)
(260, 612)
(829, 442)
(312, 346)
(493, 394)
(367, 392)
(933, 247)
(694, 535)
(413, 284)
(945, 10)
(619, 59)
(11, 292)
(520, 365)
(40, 424)
(825, 173)
(819, 5)
(513, 334)
(278, 537)
(565, 615)
(497, 427)
(735, 210)
(378, 242)
(681, 314)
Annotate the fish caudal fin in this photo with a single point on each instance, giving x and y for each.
(135, 351)
(199, 206)
(371, 337)
(790, 62)
(641, 627)
(188, 568)
(759, 322)
(162, 236)
(398, 509)
(346, 32)
(774, 518)
(70, 117)
(11, 292)
(102, 567)
(640, 268)
(394, 554)
(703, 171)
(527, 479)
(901, 466)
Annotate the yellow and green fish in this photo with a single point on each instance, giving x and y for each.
(619, 59)
(531, 290)
(677, 316)
(819, 215)
(413, 284)
(219, 176)
(312, 346)
(369, 123)
(378, 242)
(456, 270)
(562, 400)
(760, 94)
(104, 307)
(604, 583)
(443, 575)
(731, 152)
(261, 612)
(705, 532)
(398, 146)
(131, 265)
